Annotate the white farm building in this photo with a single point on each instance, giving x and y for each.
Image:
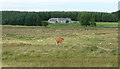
(60, 20)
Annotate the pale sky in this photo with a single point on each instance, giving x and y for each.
(60, 5)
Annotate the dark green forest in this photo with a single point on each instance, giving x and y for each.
(117, 14)
(36, 18)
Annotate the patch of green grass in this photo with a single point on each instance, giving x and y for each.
(114, 52)
(93, 40)
(74, 36)
(22, 44)
(92, 48)
(8, 53)
(21, 38)
(101, 51)
(11, 35)
(100, 40)
(106, 24)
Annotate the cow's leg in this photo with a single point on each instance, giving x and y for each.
(56, 43)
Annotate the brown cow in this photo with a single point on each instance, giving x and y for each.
(59, 40)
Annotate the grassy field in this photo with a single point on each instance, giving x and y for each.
(34, 46)
(99, 24)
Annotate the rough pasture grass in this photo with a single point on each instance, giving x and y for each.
(99, 24)
(36, 47)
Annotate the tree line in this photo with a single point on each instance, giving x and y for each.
(39, 18)
(117, 14)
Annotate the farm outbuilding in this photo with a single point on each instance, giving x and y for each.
(60, 20)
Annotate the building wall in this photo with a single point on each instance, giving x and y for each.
(51, 22)
(59, 21)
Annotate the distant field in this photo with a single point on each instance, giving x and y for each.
(107, 24)
(35, 46)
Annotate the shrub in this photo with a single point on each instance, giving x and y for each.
(92, 24)
(44, 23)
(86, 19)
(67, 21)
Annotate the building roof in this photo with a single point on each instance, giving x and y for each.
(53, 19)
(62, 19)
